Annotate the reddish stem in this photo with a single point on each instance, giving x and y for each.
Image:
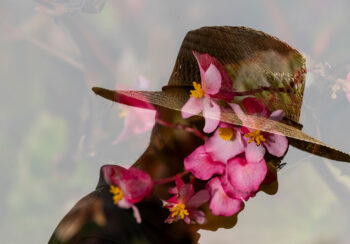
(170, 179)
(182, 127)
(272, 98)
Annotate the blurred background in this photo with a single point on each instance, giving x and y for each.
(55, 134)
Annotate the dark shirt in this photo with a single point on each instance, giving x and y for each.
(95, 219)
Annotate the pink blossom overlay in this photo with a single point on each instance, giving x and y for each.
(136, 120)
(202, 165)
(185, 203)
(202, 97)
(257, 141)
(225, 143)
(220, 203)
(128, 186)
(231, 161)
(242, 178)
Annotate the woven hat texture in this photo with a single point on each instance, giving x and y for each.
(257, 63)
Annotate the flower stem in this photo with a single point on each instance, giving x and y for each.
(170, 179)
(182, 127)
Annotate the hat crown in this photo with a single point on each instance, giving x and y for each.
(257, 64)
(254, 60)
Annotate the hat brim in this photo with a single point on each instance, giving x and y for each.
(176, 101)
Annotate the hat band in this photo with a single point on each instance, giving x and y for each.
(169, 87)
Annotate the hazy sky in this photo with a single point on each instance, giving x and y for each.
(55, 133)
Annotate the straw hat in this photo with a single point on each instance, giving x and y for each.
(257, 63)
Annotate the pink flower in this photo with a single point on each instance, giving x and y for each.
(136, 120)
(347, 87)
(226, 143)
(220, 203)
(202, 165)
(242, 177)
(184, 203)
(256, 141)
(210, 158)
(201, 98)
(128, 186)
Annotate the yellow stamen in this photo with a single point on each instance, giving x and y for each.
(198, 91)
(179, 210)
(124, 112)
(255, 136)
(226, 133)
(117, 193)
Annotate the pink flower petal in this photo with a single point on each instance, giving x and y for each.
(136, 213)
(137, 121)
(192, 107)
(197, 215)
(245, 130)
(170, 219)
(212, 80)
(203, 62)
(198, 199)
(142, 120)
(254, 153)
(123, 203)
(179, 183)
(185, 193)
(201, 165)
(134, 183)
(222, 150)
(245, 176)
(138, 184)
(221, 204)
(131, 101)
(253, 105)
(173, 200)
(277, 115)
(173, 190)
(238, 110)
(232, 192)
(211, 114)
(276, 144)
(113, 173)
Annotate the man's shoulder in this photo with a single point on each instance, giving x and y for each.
(94, 219)
(87, 219)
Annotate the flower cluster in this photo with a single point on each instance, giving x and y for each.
(184, 203)
(231, 160)
(136, 120)
(128, 186)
